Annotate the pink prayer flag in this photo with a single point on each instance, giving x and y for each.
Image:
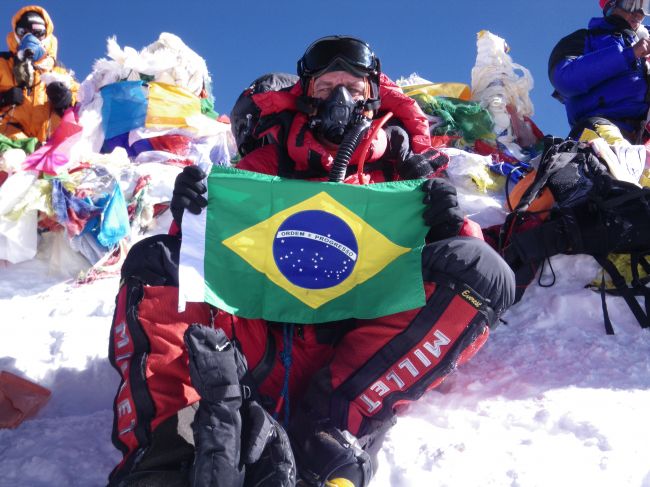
(56, 151)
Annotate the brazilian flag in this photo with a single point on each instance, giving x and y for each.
(304, 252)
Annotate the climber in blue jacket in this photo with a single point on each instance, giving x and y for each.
(600, 73)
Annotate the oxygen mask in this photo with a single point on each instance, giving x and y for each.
(30, 48)
(336, 114)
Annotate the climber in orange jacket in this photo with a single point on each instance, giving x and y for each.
(34, 89)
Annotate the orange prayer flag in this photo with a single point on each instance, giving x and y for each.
(20, 399)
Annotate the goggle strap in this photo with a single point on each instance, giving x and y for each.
(368, 65)
(345, 66)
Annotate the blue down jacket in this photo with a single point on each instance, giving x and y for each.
(595, 73)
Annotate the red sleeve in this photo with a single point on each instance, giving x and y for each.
(263, 160)
(471, 229)
(271, 102)
(408, 112)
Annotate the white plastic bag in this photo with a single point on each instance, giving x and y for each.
(14, 190)
(468, 170)
(19, 238)
(12, 160)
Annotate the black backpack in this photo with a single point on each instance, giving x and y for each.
(245, 115)
(595, 214)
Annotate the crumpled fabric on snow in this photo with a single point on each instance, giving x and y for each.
(28, 144)
(72, 212)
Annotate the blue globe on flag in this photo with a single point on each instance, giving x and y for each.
(315, 249)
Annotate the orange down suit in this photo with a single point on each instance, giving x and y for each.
(35, 116)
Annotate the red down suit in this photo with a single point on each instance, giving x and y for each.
(351, 374)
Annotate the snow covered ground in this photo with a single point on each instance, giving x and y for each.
(551, 400)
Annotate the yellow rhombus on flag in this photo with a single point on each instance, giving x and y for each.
(375, 251)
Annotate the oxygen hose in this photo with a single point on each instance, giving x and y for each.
(349, 143)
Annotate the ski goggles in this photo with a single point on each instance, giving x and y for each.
(350, 51)
(37, 30)
(634, 6)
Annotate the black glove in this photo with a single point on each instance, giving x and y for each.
(415, 167)
(231, 429)
(266, 450)
(442, 212)
(188, 189)
(13, 96)
(215, 370)
(59, 95)
(421, 165)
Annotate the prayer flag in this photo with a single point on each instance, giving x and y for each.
(124, 107)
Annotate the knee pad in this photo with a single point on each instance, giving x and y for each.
(154, 261)
(470, 262)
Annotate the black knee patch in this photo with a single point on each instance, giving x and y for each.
(466, 261)
(154, 261)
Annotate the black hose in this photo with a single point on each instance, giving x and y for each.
(346, 149)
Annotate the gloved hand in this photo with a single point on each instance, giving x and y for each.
(421, 165)
(415, 167)
(217, 426)
(188, 189)
(13, 96)
(230, 428)
(59, 95)
(442, 212)
(266, 450)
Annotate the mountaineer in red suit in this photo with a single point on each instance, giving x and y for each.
(198, 386)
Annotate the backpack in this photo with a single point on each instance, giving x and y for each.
(594, 214)
(245, 115)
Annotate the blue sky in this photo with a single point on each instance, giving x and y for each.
(242, 39)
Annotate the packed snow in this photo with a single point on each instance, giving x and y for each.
(550, 400)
